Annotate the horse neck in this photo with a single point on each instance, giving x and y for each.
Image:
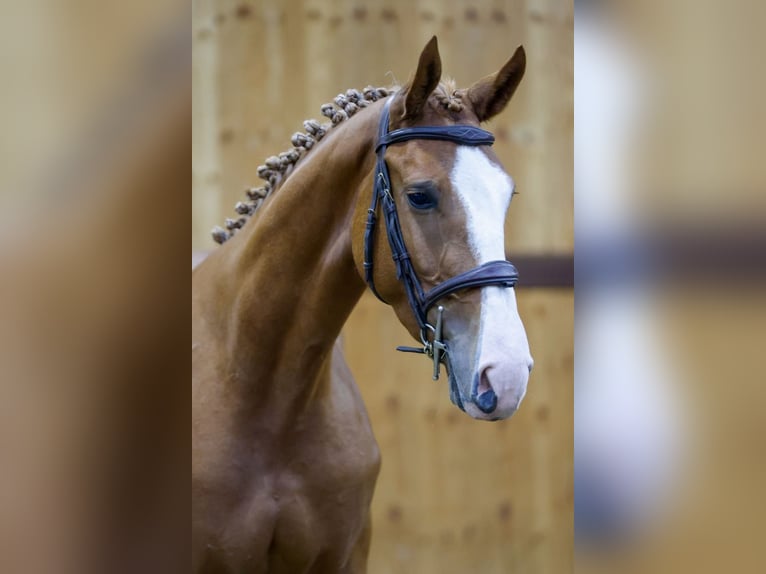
(291, 270)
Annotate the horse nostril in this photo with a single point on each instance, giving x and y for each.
(487, 401)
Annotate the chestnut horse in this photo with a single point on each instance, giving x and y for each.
(284, 460)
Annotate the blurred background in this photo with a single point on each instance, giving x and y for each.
(95, 109)
(454, 495)
(671, 318)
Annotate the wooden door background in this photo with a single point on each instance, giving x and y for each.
(454, 495)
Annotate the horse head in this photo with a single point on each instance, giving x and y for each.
(449, 198)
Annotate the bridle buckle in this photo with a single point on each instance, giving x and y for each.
(438, 346)
(435, 349)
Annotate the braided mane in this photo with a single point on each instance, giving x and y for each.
(277, 167)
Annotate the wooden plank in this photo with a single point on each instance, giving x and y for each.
(544, 270)
(535, 270)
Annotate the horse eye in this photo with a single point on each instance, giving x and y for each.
(421, 200)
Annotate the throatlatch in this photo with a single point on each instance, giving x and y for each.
(498, 273)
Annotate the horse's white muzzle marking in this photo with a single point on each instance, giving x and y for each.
(502, 362)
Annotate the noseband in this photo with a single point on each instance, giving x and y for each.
(497, 273)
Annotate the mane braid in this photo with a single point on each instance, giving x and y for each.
(277, 167)
(448, 96)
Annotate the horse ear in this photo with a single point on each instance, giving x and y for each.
(490, 95)
(425, 81)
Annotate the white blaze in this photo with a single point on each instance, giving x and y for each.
(485, 190)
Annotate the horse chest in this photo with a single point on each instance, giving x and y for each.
(302, 500)
(321, 491)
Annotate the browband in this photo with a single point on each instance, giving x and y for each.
(464, 135)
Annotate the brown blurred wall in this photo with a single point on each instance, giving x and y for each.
(454, 495)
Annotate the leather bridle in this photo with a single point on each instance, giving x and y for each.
(497, 273)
